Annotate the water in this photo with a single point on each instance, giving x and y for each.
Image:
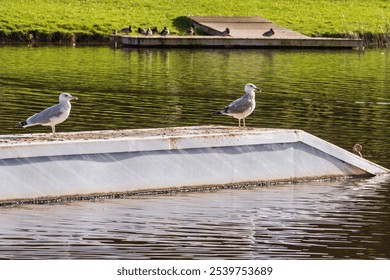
(340, 96)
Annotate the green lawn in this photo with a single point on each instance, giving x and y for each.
(95, 19)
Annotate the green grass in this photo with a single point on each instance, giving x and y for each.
(52, 20)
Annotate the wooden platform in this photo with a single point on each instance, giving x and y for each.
(245, 32)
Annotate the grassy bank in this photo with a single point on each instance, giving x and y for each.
(94, 20)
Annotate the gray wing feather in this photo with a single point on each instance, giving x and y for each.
(239, 106)
(44, 116)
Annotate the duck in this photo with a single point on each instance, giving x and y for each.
(142, 31)
(269, 33)
(190, 31)
(165, 31)
(357, 148)
(226, 32)
(127, 30)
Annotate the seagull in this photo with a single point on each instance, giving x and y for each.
(51, 116)
(269, 33)
(242, 107)
(226, 32)
(165, 31)
(357, 148)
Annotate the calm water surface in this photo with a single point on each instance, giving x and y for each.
(340, 96)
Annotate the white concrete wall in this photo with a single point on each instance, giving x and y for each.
(57, 168)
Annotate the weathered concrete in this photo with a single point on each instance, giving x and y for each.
(243, 27)
(38, 165)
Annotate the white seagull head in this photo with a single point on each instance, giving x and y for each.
(65, 97)
(249, 88)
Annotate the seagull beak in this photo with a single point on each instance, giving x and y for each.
(259, 90)
(74, 98)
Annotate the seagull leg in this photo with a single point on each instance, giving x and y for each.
(239, 122)
(53, 129)
(243, 121)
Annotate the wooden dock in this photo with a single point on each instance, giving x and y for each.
(245, 32)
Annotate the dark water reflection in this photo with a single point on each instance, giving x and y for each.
(340, 96)
(350, 219)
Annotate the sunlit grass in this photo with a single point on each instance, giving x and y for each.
(96, 19)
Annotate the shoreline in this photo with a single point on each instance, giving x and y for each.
(369, 40)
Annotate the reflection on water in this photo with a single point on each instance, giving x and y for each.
(351, 219)
(340, 96)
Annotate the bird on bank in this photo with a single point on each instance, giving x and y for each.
(142, 31)
(190, 31)
(242, 107)
(127, 30)
(269, 33)
(149, 32)
(51, 116)
(165, 31)
(155, 30)
(226, 32)
(357, 148)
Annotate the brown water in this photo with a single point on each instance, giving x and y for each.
(340, 96)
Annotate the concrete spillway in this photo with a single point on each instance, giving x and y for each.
(37, 166)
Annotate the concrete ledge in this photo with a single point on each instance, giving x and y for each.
(37, 165)
(234, 42)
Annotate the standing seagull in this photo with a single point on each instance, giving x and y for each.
(242, 107)
(51, 116)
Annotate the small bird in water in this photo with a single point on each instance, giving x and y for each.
(357, 148)
(127, 30)
(190, 31)
(142, 31)
(269, 33)
(226, 32)
(242, 107)
(51, 116)
(149, 32)
(165, 31)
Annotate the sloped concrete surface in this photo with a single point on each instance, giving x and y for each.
(82, 163)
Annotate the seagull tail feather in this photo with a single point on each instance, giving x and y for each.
(217, 113)
(21, 124)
